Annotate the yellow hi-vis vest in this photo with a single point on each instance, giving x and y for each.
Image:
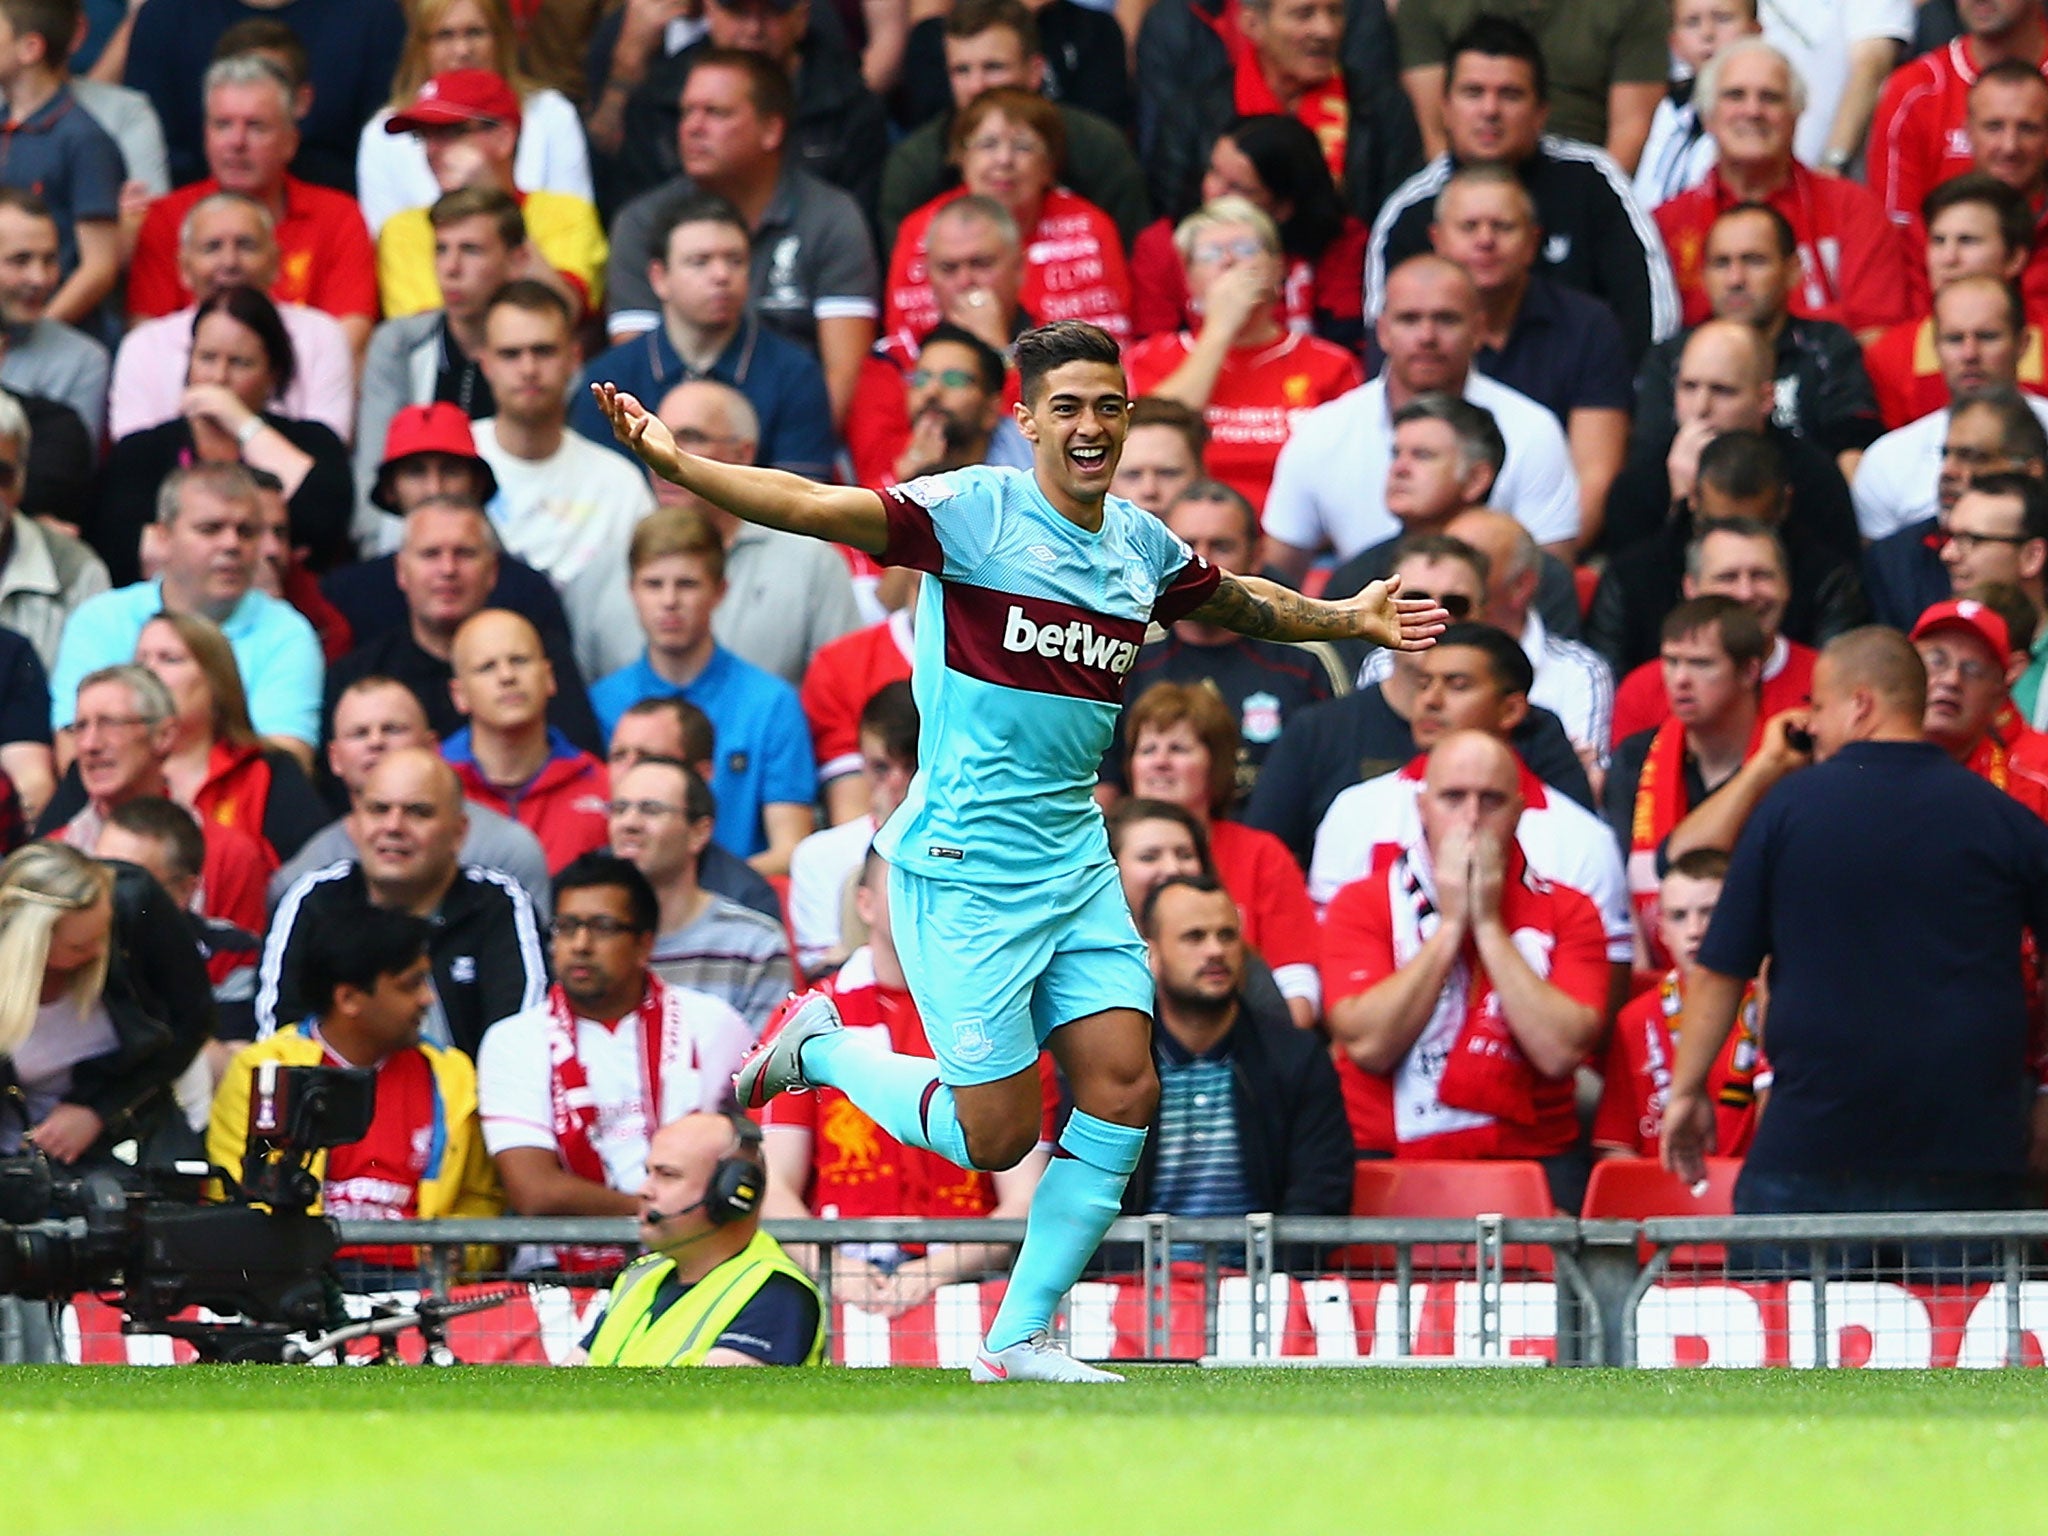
(686, 1332)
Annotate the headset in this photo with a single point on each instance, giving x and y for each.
(738, 1180)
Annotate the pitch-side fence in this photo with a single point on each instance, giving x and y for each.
(1958, 1290)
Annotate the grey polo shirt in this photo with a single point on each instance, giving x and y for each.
(784, 597)
(59, 363)
(813, 259)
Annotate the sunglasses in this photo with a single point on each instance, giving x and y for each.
(1456, 604)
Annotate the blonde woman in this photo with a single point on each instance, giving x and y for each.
(391, 169)
(103, 1002)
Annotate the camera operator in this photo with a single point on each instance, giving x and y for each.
(104, 1001)
(369, 981)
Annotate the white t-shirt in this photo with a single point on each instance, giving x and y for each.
(1898, 482)
(1816, 36)
(1330, 482)
(819, 869)
(513, 1082)
(59, 1040)
(572, 515)
(1562, 840)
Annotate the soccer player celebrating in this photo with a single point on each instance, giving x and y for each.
(1009, 918)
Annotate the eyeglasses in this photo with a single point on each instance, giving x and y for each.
(651, 809)
(1456, 604)
(1022, 145)
(1938, 661)
(949, 378)
(1970, 543)
(107, 723)
(1237, 250)
(603, 927)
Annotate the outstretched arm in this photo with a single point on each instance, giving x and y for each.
(1252, 605)
(841, 513)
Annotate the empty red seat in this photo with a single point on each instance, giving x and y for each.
(1639, 1188)
(1451, 1188)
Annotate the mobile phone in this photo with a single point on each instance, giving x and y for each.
(1799, 739)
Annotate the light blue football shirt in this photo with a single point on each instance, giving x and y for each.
(1022, 643)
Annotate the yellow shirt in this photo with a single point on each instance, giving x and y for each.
(563, 228)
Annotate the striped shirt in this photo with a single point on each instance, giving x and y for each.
(731, 952)
(1200, 1166)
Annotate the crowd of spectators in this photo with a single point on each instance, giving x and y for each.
(1667, 349)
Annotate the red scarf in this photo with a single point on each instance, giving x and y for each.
(1660, 805)
(573, 1107)
(1484, 1071)
(1325, 110)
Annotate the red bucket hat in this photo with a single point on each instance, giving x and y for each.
(438, 428)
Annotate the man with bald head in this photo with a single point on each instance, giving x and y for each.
(509, 757)
(784, 596)
(1726, 382)
(1890, 888)
(406, 830)
(1329, 484)
(377, 715)
(1462, 990)
(1980, 331)
(713, 1288)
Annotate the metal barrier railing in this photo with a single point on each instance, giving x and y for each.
(1846, 1290)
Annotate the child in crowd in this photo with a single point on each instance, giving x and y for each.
(1678, 152)
(1637, 1072)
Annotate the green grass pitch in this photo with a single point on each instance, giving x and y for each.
(106, 1451)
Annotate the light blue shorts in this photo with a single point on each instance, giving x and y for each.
(996, 969)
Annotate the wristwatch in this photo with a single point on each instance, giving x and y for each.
(1837, 160)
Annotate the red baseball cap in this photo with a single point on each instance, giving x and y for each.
(1966, 613)
(438, 428)
(457, 97)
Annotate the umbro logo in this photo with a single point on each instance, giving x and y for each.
(1044, 554)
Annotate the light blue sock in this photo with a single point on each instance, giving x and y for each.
(901, 1094)
(1080, 1195)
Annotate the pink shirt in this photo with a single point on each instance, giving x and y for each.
(149, 372)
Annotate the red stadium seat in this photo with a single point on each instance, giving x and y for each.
(1451, 1188)
(1638, 1188)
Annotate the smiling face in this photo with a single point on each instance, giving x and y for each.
(2009, 132)
(29, 272)
(1296, 40)
(1753, 116)
(1077, 427)
(119, 754)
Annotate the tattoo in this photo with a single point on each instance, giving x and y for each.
(1268, 611)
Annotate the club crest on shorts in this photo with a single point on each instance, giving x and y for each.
(971, 1042)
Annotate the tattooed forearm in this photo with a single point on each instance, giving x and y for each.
(1251, 605)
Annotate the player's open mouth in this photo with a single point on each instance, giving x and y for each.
(1089, 460)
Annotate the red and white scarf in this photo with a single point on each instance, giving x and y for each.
(1465, 1070)
(664, 1039)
